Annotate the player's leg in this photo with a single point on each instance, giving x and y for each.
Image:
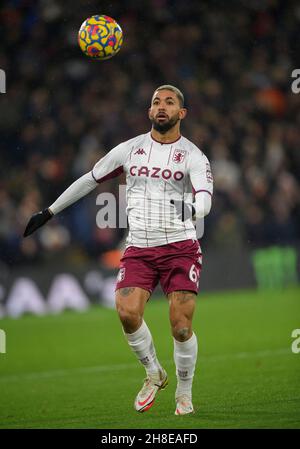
(182, 306)
(179, 277)
(130, 304)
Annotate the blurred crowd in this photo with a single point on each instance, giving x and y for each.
(63, 111)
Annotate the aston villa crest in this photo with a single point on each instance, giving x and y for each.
(178, 156)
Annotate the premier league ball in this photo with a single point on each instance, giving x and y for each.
(100, 37)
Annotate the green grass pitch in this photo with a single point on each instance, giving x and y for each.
(75, 370)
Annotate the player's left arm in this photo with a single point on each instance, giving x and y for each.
(202, 181)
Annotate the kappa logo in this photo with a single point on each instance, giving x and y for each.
(178, 156)
(140, 151)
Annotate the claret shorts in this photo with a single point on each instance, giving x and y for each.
(176, 266)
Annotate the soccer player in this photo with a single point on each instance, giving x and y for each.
(161, 168)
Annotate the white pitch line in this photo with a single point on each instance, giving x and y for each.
(124, 366)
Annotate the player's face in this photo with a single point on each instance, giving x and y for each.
(165, 111)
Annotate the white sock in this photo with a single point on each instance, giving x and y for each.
(185, 357)
(142, 345)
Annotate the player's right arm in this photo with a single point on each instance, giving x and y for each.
(110, 166)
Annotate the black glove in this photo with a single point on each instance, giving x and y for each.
(184, 210)
(37, 220)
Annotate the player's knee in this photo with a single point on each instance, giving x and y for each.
(130, 317)
(181, 331)
(181, 325)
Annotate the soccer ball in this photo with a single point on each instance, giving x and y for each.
(100, 37)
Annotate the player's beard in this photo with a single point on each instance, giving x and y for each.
(165, 126)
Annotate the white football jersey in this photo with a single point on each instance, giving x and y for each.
(156, 173)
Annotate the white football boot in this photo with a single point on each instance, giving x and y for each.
(152, 384)
(184, 405)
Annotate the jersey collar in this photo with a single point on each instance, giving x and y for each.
(165, 143)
